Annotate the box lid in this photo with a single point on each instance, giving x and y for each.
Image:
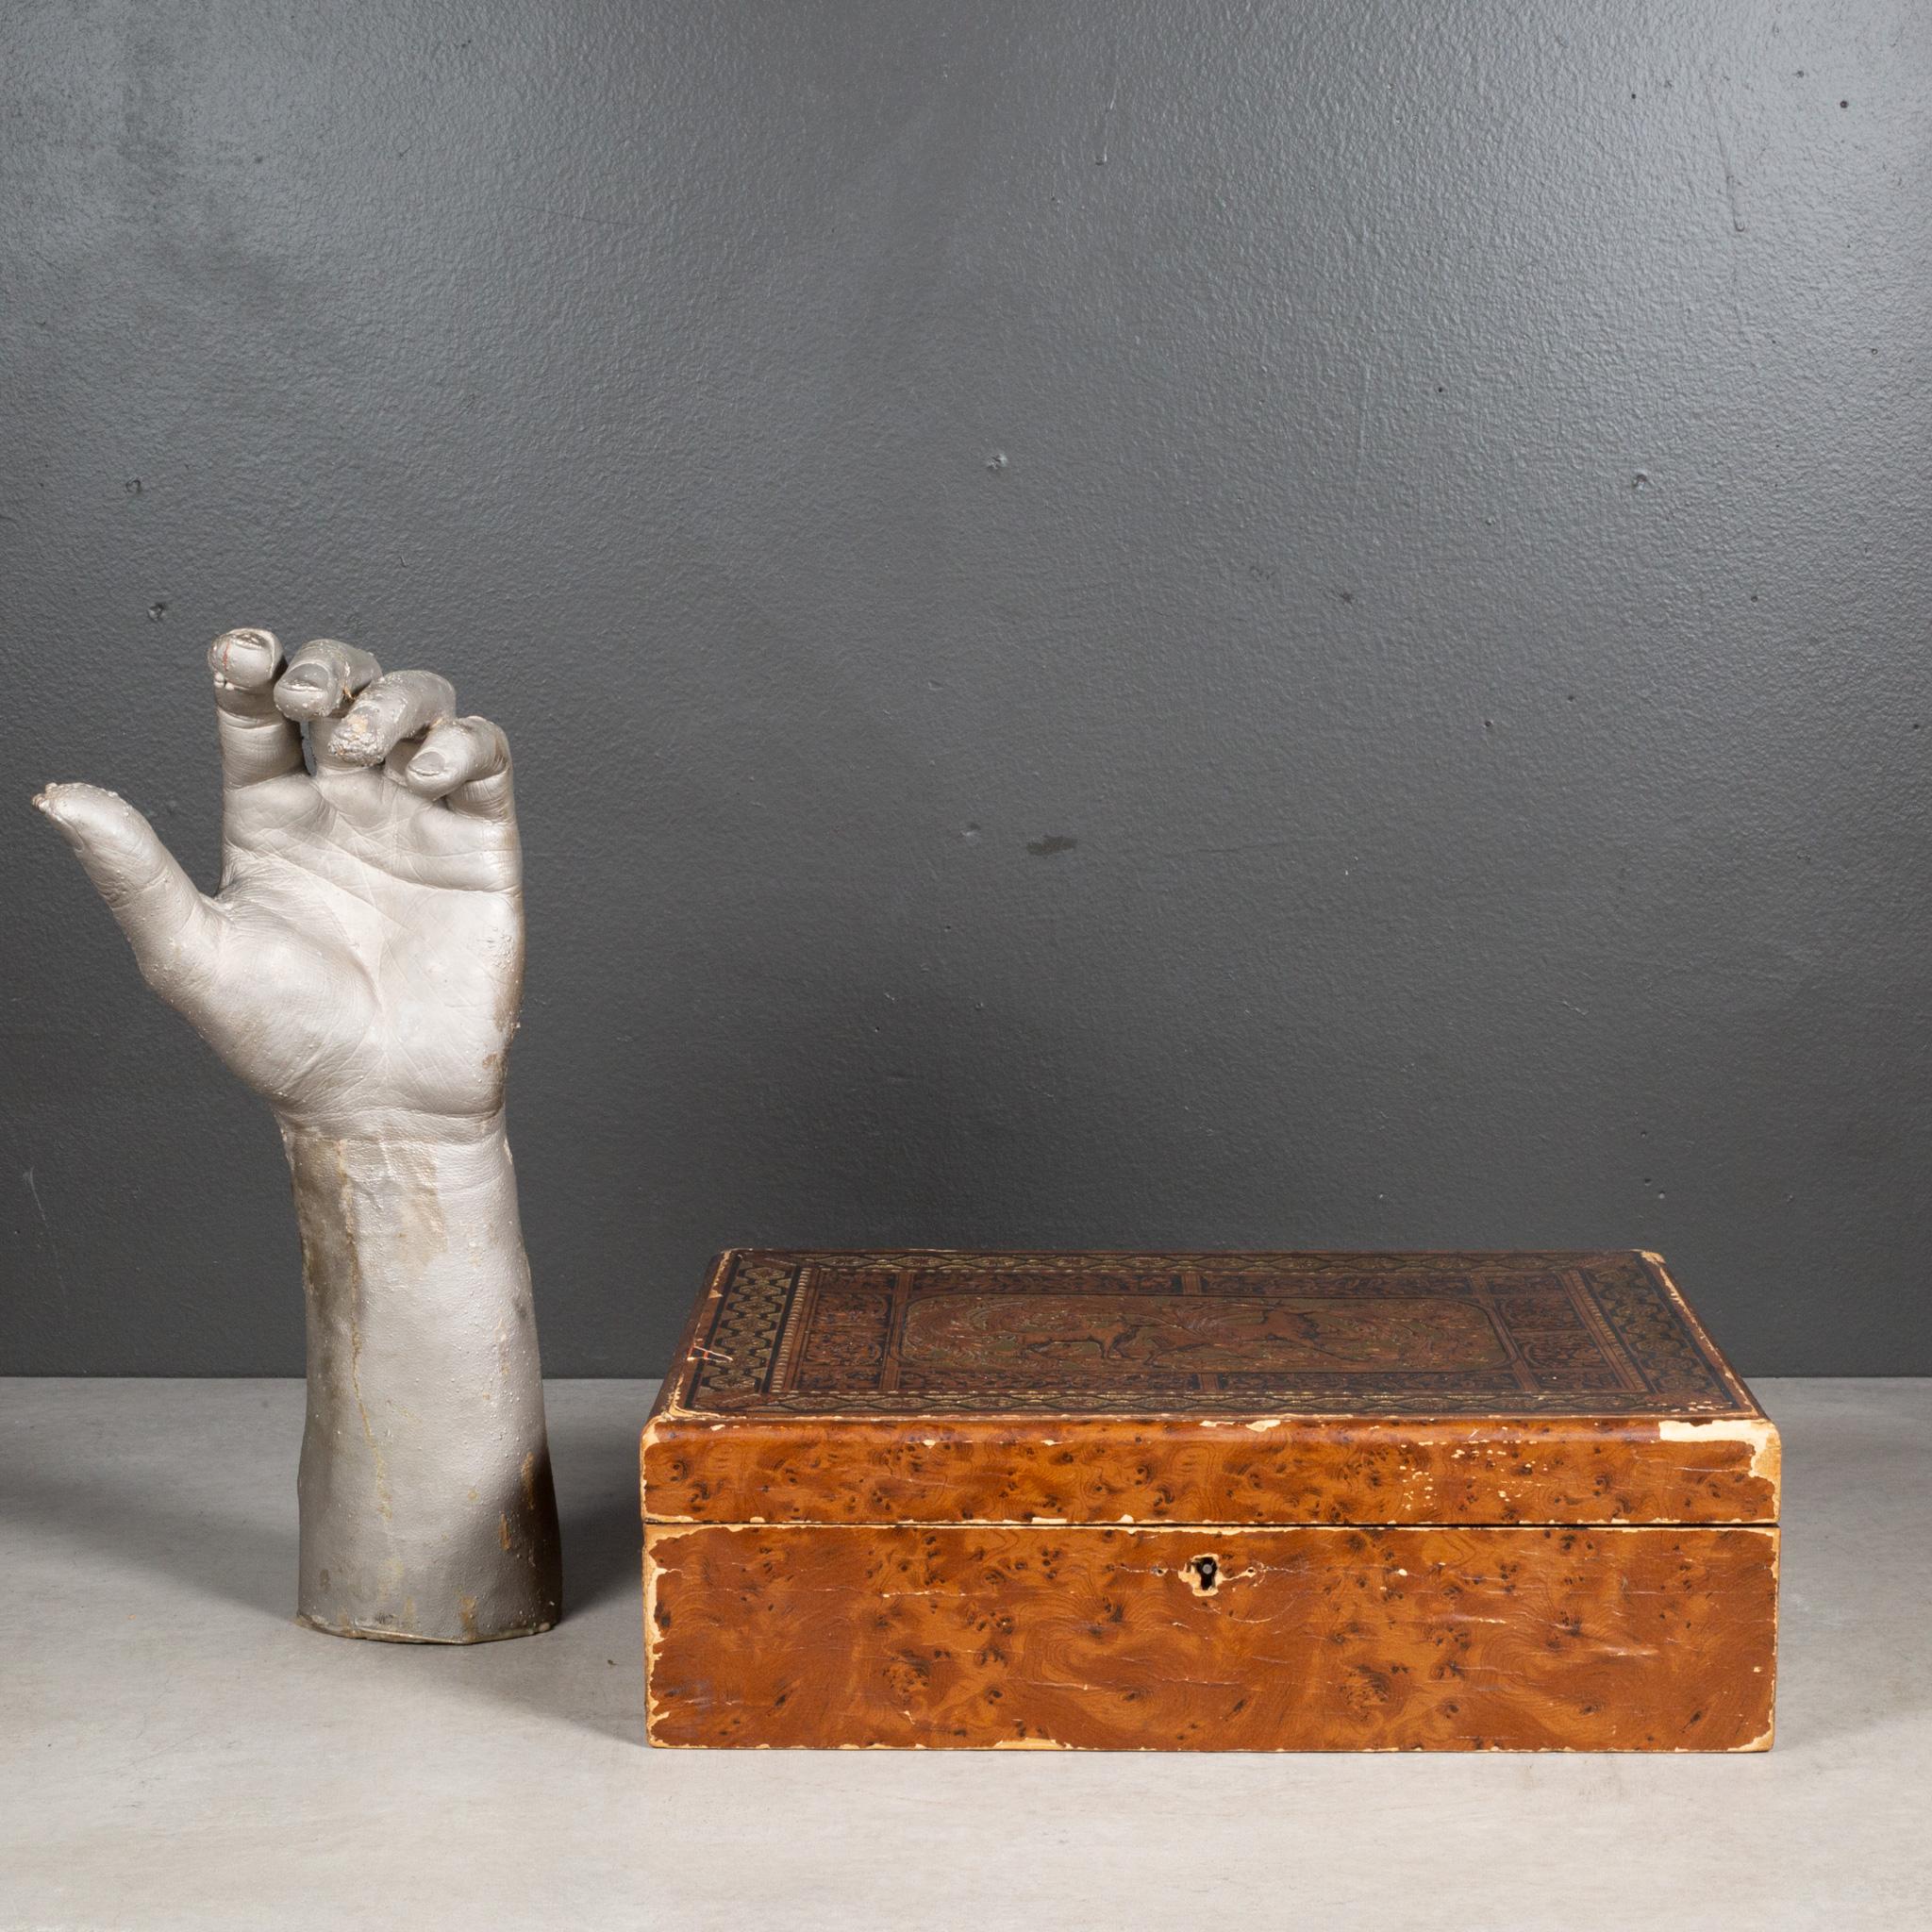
(937, 1386)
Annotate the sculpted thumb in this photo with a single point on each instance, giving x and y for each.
(170, 925)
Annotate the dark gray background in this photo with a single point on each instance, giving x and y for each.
(1191, 624)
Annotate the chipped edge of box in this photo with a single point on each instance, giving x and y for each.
(1759, 1432)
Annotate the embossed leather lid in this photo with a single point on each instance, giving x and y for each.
(905, 1386)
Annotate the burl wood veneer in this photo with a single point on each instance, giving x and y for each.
(1207, 1502)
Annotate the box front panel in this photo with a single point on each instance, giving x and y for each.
(1265, 1470)
(1304, 1639)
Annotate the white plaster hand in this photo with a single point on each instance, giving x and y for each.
(360, 968)
(363, 962)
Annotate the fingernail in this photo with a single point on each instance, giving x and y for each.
(429, 765)
(243, 655)
(308, 692)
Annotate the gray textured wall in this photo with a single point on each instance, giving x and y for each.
(1207, 624)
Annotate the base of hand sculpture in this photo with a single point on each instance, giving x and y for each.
(362, 968)
(427, 1511)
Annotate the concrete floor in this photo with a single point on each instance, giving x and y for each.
(175, 1750)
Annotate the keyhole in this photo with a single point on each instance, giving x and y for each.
(1204, 1574)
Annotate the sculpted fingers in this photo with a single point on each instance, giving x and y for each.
(171, 928)
(466, 762)
(402, 705)
(323, 679)
(257, 742)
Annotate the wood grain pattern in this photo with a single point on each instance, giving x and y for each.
(1207, 1502)
(1299, 1639)
(1263, 1469)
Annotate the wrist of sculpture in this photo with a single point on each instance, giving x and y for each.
(427, 1511)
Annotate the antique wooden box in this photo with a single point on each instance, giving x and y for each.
(1207, 1502)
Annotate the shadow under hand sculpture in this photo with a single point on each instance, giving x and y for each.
(361, 969)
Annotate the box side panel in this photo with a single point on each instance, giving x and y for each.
(1260, 1470)
(1232, 1639)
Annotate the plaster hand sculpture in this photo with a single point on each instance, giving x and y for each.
(360, 968)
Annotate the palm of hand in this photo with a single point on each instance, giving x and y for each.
(363, 963)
